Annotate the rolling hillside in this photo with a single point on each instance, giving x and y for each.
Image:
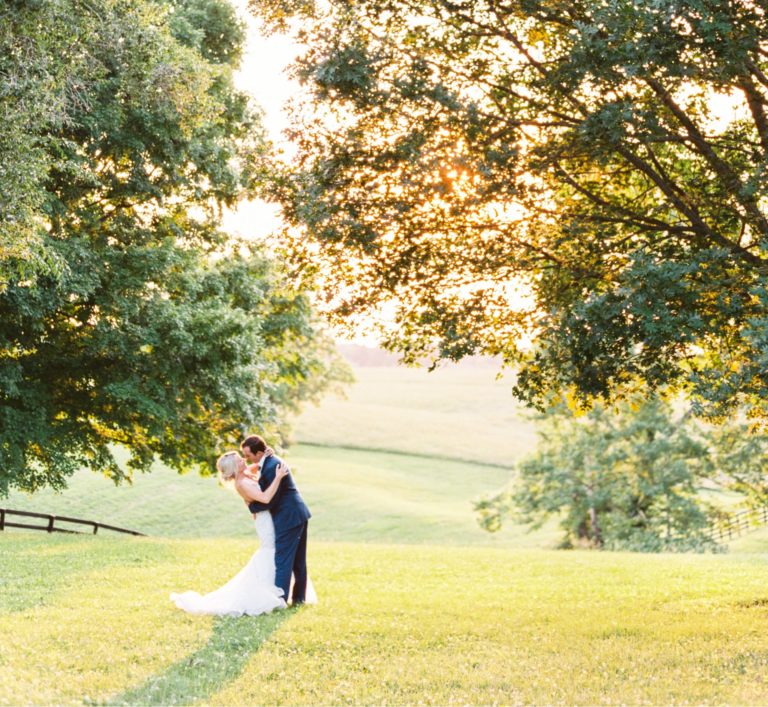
(456, 412)
(418, 605)
(354, 495)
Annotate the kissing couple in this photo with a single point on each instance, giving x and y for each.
(281, 518)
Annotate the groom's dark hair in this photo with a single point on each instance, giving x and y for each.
(255, 443)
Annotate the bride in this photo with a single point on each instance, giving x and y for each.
(251, 591)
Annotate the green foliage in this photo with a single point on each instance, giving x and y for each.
(742, 456)
(154, 332)
(210, 26)
(607, 157)
(33, 89)
(620, 479)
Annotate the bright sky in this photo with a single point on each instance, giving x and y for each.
(263, 76)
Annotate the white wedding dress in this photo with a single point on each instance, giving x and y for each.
(252, 590)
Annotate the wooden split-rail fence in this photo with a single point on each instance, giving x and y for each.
(736, 524)
(724, 529)
(51, 521)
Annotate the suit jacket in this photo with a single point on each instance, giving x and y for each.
(287, 506)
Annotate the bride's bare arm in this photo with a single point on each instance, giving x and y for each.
(250, 490)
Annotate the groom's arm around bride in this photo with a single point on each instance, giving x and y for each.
(289, 514)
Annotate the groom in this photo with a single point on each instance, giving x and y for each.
(290, 516)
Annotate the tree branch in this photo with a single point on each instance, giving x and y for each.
(720, 166)
(756, 104)
(700, 227)
(757, 72)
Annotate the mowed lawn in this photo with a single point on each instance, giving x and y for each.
(418, 605)
(88, 620)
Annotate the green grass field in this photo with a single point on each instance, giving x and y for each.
(87, 620)
(418, 605)
(454, 412)
(355, 495)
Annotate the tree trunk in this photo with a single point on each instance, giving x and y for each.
(582, 532)
(597, 538)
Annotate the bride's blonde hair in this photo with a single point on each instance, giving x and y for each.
(227, 466)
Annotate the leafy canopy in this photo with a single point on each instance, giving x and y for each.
(150, 329)
(624, 479)
(607, 159)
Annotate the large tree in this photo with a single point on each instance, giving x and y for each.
(589, 175)
(144, 325)
(628, 478)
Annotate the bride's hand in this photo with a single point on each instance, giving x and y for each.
(281, 471)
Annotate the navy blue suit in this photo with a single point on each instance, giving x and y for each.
(290, 515)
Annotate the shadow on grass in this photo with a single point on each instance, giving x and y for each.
(208, 670)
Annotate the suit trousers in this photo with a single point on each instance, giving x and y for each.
(291, 559)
